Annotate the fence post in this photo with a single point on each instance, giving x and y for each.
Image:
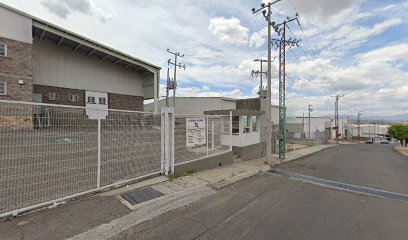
(98, 175)
(162, 121)
(230, 130)
(166, 142)
(172, 139)
(212, 135)
(206, 131)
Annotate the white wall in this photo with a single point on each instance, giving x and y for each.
(62, 67)
(194, 105)
(275, 114)
(317, 124)
(15, 26)
(368, 130)
(243, 140)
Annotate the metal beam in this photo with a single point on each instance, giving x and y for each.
(42, 35)
(92, 52)
(105, 57)
(77, 47)
(117, 61)
(60, 41)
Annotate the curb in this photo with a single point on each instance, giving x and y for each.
(398, 150)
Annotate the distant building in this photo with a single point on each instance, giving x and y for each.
(368, 130)
(317, 125)
(195, 105)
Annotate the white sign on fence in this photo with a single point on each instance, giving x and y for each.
(195, 132)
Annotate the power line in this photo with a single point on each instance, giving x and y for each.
(174, 84)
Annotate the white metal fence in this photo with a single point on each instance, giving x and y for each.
(199, 136)
(49, 153)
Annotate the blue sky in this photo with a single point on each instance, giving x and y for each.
(353, 47)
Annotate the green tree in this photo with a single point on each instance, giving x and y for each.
(400, 132)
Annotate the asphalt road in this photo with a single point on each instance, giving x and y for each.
(272, 207)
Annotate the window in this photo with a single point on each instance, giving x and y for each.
(91, 100)
(3, 88)
(254, 123)
(54, 96)
(246, 120)
(3, 50)
(73, 98)
(102, 101)
(235, 125)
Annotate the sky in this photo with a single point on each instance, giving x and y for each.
(357, 48)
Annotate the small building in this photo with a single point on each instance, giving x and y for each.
(246, 137)
(44, 63)
(320, 127)
(194, 105)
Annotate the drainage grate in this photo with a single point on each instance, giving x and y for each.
(342, 186)
(141, 195)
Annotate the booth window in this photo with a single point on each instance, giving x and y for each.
(247, 123)
(235, 125)
(254, 124)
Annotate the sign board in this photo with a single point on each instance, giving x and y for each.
(195, 132)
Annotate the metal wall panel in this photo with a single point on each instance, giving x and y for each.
(15, 26)
(63, 67)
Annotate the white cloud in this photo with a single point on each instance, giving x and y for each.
(229, 30)
(257, 39)
(64, 8)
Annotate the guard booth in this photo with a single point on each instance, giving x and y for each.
(245, 138)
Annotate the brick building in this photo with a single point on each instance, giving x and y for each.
(44, 63)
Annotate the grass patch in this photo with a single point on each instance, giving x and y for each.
(402, 150)
(173, 177)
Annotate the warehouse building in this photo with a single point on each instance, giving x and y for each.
(44, 63)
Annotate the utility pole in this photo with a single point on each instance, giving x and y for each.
(282, 43)
(303, 122)
(167, 86)
(310, 110)
(358, 126)
(267, 13)
(261, 95)
(336, 116)
(176, 54)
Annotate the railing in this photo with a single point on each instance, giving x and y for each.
(50, 153)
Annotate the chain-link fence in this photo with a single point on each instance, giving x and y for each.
(199, 136)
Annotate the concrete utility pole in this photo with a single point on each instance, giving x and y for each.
(309, 108)
(260, 73)
(303, 122)
(282, 43)
(174, 84)
(336, 116)
(358, 125)
(266, 11)
(167, 86)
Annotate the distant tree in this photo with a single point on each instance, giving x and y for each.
(400, 132)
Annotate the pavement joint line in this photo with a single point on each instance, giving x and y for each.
(342, 186)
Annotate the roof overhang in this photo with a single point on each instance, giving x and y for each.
(61, 37)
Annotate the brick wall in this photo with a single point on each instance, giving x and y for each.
(63, 92)
(17, 66)
(125, 102)
(115, 101)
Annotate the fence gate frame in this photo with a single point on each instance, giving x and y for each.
(167, 140)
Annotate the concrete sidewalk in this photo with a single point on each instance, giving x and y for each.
(106, 214)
